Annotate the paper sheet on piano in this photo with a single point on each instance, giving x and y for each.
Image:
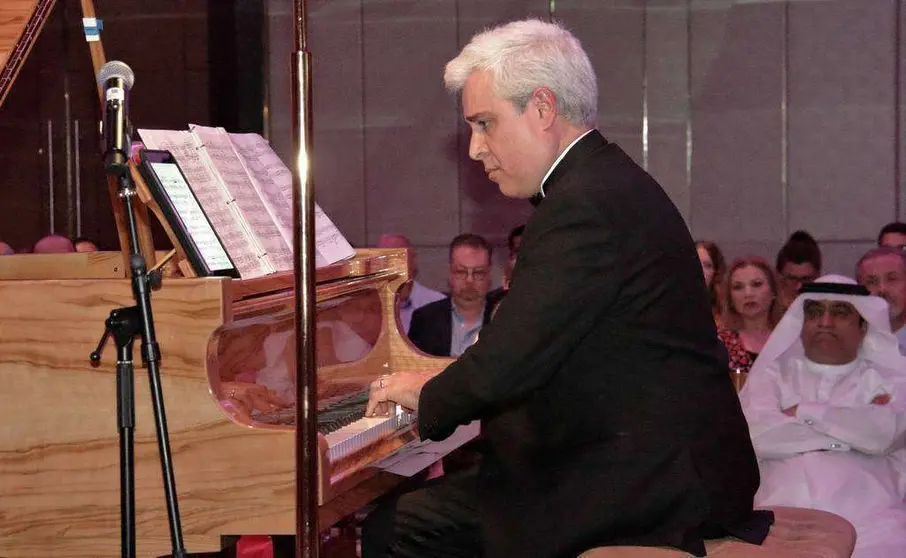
(233, 166)
(275, 185)
(419, 455)
(217, 150)
(213, 199)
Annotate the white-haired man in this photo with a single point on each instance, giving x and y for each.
(826, 408)
(883, 272)
(607, 411)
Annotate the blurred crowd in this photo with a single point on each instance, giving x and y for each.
(52, 244)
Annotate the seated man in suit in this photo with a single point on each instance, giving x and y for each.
(449, 326)
(607, 413)
(826, 405)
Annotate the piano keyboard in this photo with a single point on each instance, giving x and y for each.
(344, 424)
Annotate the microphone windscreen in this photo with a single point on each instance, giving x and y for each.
(116, 69)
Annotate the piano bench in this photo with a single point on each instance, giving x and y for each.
(796, 533)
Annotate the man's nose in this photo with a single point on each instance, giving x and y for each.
(477, 147)
(826, 320)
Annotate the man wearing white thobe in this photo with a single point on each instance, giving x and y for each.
(826, 406)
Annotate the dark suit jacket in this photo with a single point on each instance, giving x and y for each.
(431, 329)
(604, 391)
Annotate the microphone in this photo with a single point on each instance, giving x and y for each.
(116, 78)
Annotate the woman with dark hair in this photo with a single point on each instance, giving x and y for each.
(751, 310)
(713, 268)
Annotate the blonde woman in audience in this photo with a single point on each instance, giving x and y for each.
(713, 268)
(751, 310)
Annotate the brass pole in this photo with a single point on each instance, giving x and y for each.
(304, 279)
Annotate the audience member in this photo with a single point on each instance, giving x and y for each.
(826, 407)
(798, 263)
(83, 244)
(714, 269)
(53, 244)
(893, 235)
(449, 326)
(605, 315)
(413, 295)
(750, 310)
(6, 249)
(514, 239)
(883, 272)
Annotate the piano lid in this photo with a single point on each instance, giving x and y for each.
(20, 23)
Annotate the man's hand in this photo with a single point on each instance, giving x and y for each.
(882, 399)
(248, 397)
(403, 388)
(791, 412)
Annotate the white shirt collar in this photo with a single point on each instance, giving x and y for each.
(560, 158)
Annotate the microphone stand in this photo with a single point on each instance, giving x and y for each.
(125, 323)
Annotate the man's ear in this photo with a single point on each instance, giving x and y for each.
(544, 103)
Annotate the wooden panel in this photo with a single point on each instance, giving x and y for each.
(58, 442)
(410, 121)
(20, 24)
(842, 122)
(612, 32)
(667, 98)
(86, 265)
(737, 129)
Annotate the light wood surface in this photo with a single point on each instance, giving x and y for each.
(59, 470)
(20, 23)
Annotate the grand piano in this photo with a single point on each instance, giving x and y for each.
(221, 339)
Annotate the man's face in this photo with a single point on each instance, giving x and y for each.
(793, 276)
(832, 331)
(470, 275)
(894, 240)
(509, 144)
(885, 276)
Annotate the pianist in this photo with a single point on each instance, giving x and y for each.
(603, 389)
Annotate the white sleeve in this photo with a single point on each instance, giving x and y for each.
(774, 434)
(871, 429)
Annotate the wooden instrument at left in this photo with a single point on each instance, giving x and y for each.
(235, 469)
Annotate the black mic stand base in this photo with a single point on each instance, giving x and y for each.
(125, 323)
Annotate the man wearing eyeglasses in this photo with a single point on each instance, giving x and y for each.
(798, 264)
(448, 327)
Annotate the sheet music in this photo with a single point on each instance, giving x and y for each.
(274, 182)
(421, 454)
(223, 215)
(229, 170)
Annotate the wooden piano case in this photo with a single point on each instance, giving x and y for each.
(59, 456)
